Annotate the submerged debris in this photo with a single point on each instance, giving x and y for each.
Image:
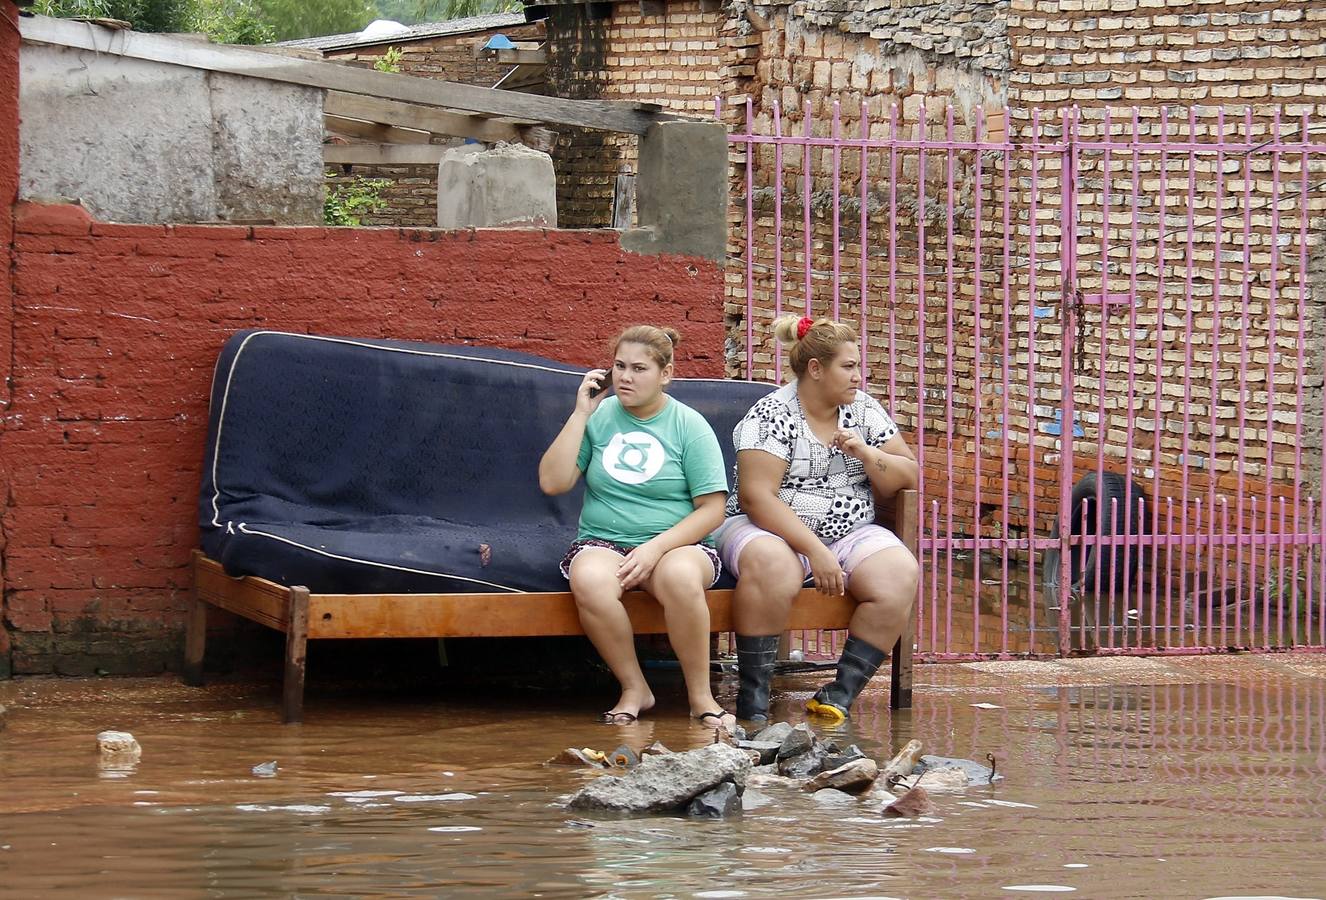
(120, 745)
(265, 770)
(916, 802)
(665, 783)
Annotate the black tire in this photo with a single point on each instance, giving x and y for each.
(1082, 561)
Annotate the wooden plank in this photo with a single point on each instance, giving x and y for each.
(375, 131)
(195, 637)
(420, 118)
(623, 201)
(519, 57)
(523, 615)
(296, 656)
(383, 154)
(253, 598)
(605, 115)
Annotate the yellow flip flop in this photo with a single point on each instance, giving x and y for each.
(832, 714)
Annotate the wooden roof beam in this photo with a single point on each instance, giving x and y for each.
(603, 115)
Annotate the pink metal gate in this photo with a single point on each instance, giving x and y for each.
(1097, 331)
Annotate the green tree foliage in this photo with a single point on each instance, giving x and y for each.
(232, 22)
(442, 10)
(143, 15)
(291, 19)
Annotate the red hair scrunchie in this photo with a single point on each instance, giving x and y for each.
(803, 326)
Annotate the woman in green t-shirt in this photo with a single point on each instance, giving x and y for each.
(655, 487)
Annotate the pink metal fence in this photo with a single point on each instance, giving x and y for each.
(1097, 330)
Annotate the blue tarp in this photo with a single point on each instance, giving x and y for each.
(356, 466)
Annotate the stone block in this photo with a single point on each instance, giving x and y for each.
(504, 186)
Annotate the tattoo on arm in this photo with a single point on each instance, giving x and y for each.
(881, 464)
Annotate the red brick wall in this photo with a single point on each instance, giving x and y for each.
(116, 331)
(9, 42)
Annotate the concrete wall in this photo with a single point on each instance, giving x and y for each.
(137, 141)
(117, 328)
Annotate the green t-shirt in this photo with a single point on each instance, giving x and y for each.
(642, 474)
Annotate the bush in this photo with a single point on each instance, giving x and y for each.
(346, 204)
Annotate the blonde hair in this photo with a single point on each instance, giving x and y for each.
(822, 340)
(658, 341)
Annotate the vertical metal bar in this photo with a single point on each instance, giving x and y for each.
(864, 241)
(1253, 593)
(1185, 459)
(837, 157)
(1299, 375)
(1224, 570)
(1280, 582)
(1158, 394)
(778, 233)
(949, 429)
(1213, 401)
(1004, 384)
(1102, 415)
(1033, 590)
(1242, 413)
(893, 259)
(808, 131)
(1132, 375)
(1068, 267)
(978, 402)
(1169, 568)
(922, 128)
(934, 582)
(1197, 567)
(750, 242)
(1271, 339)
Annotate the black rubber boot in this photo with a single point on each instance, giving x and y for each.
(859, 662)
(756, 657)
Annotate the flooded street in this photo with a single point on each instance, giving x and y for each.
(1187, 777)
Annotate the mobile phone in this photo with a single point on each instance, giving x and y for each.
(605, 385)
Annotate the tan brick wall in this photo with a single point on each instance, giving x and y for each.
(1019, 54)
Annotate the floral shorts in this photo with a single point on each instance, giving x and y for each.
(622, 550)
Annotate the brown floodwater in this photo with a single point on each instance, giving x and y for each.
(1200, 777)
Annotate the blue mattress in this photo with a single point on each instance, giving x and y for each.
(358, 466)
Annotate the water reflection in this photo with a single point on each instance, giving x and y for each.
(1195, 783)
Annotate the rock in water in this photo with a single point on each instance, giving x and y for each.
(265, 770)
(854, 777)
(831, 797)
(119, 745)
(804, 765)
(945, 778)
(977, 773)
(655, 749)
(716, 803)
(662, 783)
(768, 750)
(775, 733)
(915, 802)
(798, 741)
(843, 757)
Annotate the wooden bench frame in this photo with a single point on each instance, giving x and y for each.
(303, 616)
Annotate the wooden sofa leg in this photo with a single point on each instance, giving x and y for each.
(296, 645)
(195, 639)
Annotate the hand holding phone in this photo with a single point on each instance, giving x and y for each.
(604, 384)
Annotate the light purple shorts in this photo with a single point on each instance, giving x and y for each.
(862, 543)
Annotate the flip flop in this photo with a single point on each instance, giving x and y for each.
(719, 715)
(830, 712)
(618, 717)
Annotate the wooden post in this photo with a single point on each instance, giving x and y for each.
(195, 632)
(900, 681)
(296, 643)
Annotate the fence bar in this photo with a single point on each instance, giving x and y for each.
(1004, 385)
(778, 233)
(949, 428)
(750, 243)
(806, 178)
(1271, 311)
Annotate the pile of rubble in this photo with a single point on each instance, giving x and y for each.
(713, 781)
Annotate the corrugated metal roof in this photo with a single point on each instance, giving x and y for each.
(411, 33)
